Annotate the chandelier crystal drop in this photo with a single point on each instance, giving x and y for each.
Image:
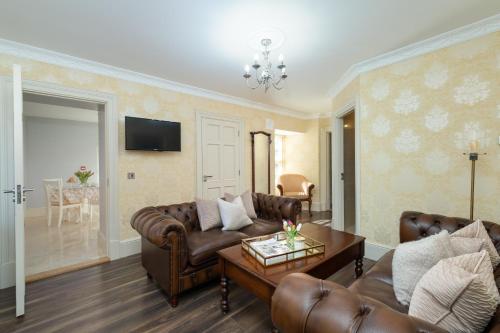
(264, 74)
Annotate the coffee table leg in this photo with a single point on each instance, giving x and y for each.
(224, 289)
(359, 267)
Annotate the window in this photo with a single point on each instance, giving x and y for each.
(279, 155)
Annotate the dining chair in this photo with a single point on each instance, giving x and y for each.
(93, 197)
(56, 198)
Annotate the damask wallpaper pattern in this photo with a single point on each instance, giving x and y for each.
(167, 177)
(420, 116)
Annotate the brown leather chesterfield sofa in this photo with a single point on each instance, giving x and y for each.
(179, 256)
(302, 303)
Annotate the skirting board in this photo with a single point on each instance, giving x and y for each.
(375, 251)
(130, 246)
(315, 207)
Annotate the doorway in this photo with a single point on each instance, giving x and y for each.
(346, 168)
(349, 174)
(12, 183)
(63, 155)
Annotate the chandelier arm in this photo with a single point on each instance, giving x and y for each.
(254, 87)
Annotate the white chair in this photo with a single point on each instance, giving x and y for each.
(55, 198)
(93, 200)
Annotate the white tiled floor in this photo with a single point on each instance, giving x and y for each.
(50, 247)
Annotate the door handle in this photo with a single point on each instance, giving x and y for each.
(9, 191)
(28, 190)
(205, 178)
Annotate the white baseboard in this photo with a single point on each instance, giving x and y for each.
(7, 275)
(375, 251)
(130, 246)
(36, 212)
(315, 207)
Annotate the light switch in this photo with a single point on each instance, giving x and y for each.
(131, 175)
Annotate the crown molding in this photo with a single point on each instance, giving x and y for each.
(459, 35)
(61, 59)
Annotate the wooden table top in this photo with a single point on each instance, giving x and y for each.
(335, 243)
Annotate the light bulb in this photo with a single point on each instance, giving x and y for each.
(247, 69)
(256, 58)
(280, 58)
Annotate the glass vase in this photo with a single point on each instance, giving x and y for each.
(290, 241)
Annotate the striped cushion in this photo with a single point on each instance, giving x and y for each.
(458, 294)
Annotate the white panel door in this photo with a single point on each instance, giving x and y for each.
(220, 157)
(17, 191)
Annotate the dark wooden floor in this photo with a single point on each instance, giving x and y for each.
(118, 297)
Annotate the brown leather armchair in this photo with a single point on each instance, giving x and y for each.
(179, 256)
(302, 303)
(296, 186)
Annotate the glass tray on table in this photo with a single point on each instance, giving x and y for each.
(272, 249)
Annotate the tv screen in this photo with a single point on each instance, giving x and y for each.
(149, 134)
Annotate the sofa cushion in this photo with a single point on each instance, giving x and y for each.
(458, 294)
(377, 283)
(261, 227)
(413, 259)
(203, 245)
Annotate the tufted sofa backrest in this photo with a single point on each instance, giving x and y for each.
(185, 212)
(274, 208)
(417, 225)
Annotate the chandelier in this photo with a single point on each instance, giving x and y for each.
(264, 75)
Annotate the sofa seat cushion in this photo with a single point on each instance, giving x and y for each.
(260, 228)
(378, 290)
(377, 283)
(203, 245)
(382, 270)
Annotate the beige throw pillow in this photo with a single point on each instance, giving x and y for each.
(458, 294)
(477, 230)
(464, 245)
(208, 214)
(413, 259)
(246, 197)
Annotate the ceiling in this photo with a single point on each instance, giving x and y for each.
(205, 43)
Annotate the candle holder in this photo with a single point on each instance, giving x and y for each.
(473, 157)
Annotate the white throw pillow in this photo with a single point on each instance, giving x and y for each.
(233, 214)
(246, 197)
(208, 214)
(458, 294)
(413, 259)
(477, 230)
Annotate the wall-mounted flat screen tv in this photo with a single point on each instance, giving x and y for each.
(149, 134)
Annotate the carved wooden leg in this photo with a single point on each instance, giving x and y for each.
(224, 291)
(310, 204)
(359, 267)
(173, 301)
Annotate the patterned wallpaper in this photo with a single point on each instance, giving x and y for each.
(417, 118)
(167, 177)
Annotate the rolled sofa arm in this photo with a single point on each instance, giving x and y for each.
(276, 208)
(302, 304)
(159, 228)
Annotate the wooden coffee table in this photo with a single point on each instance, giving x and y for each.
(341, 248)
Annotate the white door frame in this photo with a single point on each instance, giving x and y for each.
(323, 166)
(111, 144)
(338, 163)
(200, 115)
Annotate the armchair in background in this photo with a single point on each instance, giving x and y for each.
(296, 186)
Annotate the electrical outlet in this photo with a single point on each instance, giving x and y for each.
(131, 175)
